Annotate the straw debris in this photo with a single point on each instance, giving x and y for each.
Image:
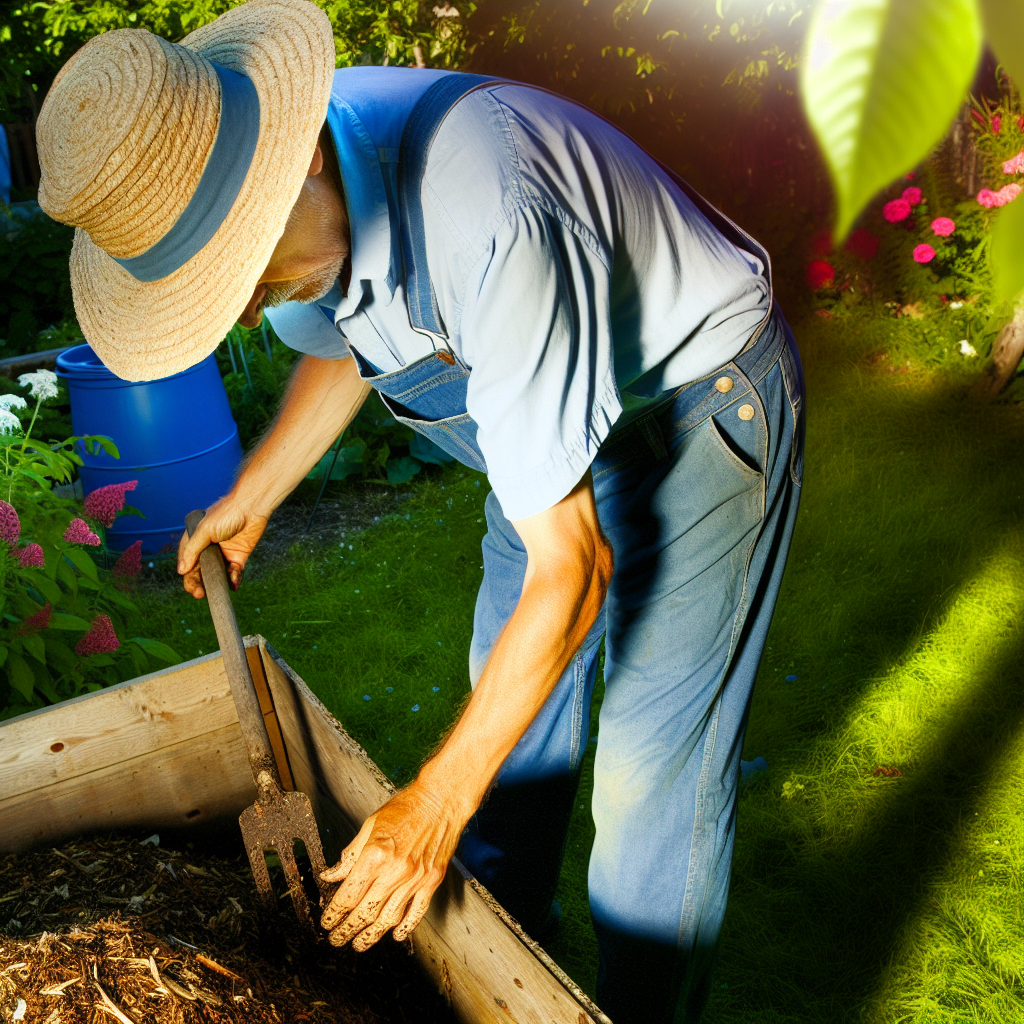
(113, 929)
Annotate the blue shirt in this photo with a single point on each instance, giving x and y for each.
(569, 270)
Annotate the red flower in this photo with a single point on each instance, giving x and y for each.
(38, 620)
(10, 524)
(911, 176)
(130, 562)
(924, 253)
(943, 226)
(31, 556)
(896, 210)
(105, 502)
(997, 123)
(863, 244)
(101, 638)
(1020, 123)
(78, 532)
(818, 274)
(912, 195)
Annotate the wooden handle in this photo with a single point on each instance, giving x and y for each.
(232, 649)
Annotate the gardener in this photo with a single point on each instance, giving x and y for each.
(527, 288)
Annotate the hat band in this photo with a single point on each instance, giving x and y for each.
(237, 134)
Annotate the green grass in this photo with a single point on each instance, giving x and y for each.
(855, 897)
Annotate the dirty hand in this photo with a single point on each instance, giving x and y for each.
(232, 525)
(392, 868)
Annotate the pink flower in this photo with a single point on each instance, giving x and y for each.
(105, 502)
(912, 195)
(987, 198)
(818, 274)
(40, 620)
(924, 254)
(863, 244)
(78, 532)
(1015, 165)
(1007, 194)
(31, 556)
(101, 638)
(130, 562)
(896, 210)
(10, 524)
(997, 123)
(943, 226)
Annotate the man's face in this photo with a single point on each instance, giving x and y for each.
(314, 249)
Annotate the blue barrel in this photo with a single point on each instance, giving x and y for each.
(176, 437)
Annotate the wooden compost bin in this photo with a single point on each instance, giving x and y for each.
(164, 751)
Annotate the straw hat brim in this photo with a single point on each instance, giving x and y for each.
(143, 331)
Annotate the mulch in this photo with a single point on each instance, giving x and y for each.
(117, 928)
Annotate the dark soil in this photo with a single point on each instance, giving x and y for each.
(115, 928)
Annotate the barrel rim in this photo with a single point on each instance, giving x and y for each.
(71, 371)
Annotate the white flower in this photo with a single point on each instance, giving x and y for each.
(967, 349)
(8, 422)
(12, 402)
(955, 305)
(41, 383)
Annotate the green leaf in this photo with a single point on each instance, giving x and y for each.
(43, 584)
(35, 646)
(81, 561)
(157, 649)
(20, 676)
(62, 620)
(881, 80)
(3, 653)
(1007, 251)
(402, 470)
(1004, 32)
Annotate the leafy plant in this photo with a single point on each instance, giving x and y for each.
(60, 614)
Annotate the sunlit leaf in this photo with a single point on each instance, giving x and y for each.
(881, 80)
(1007, 251)
(1004, 32)
(157, 649)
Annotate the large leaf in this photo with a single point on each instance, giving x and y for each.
(35, 646)
(82, 562)
(881, 80)
(62, 620)
(19, 675)
(1004, 32)
(1007, 251)
(401, 471)
(157, 649)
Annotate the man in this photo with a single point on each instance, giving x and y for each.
(530, 290)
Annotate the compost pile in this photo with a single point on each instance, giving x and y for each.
(119, 929)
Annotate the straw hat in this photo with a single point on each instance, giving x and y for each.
(180, 173)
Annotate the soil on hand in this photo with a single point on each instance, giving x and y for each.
(115, 928)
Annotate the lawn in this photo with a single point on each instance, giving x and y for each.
(858, 895)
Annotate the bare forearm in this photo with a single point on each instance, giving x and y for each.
(323, 397)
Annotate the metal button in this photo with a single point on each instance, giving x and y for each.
(724, 384)
(745, 412)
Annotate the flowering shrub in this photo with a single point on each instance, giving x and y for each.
(66, 625)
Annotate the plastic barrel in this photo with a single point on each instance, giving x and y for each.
(176, 436)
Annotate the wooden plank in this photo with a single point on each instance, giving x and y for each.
(125, 721)
(192, 783)
(481, 960)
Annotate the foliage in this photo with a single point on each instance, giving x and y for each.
(35, 285)
(52, 593)
(38, 37)
(880, 83)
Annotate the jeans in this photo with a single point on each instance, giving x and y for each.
(698, 499)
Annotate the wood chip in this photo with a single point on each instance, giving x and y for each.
(214, 966)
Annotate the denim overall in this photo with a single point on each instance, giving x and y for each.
(697, 495)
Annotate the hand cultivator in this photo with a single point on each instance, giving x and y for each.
(278, 818)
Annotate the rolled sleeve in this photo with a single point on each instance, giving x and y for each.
(536, 332)
(306, 328)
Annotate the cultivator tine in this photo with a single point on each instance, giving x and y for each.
(254, 846)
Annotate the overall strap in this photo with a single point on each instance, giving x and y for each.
(426, 117)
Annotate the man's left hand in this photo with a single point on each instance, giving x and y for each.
(391, 868)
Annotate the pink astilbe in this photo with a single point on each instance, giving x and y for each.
(943, 227)
(101, 638)
(1015, 165)
(78, 532)
(924, 253)
(10, 524)
(997, 123)
(105, 502)
(35, 622)
(912, 195)
(818, 274)
(896, 210)
(130, 562)
(1005, 195)
(863, 244)
(31, 556)
(987, 198)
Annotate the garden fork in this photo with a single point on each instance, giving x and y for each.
(278, 818)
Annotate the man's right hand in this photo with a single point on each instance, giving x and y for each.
(232, 525)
